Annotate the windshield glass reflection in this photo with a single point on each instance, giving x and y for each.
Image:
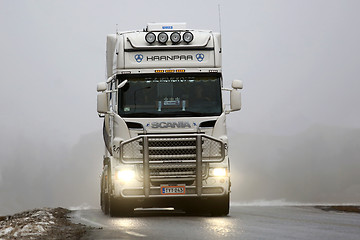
(171, 95)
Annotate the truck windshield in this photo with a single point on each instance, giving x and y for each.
(170, 95)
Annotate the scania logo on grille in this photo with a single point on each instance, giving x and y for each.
(180, 124)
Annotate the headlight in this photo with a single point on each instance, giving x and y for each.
(125, 175)
(218, 172)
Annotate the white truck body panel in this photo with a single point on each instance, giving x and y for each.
(130, 51)
(172, 145)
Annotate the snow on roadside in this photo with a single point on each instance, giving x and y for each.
(45, 223)
(29, 224)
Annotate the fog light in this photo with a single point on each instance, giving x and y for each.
(162, 38)
(188, 37)
(150, 37)
(219, 172)
(175, 37)
(125, 175)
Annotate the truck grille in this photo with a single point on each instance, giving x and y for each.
(171, 149)
(172, 156)
(172, 170)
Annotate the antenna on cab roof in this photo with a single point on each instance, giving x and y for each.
(219, 17)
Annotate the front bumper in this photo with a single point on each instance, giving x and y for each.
(217, 187)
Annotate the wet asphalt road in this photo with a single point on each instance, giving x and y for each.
(243, 222)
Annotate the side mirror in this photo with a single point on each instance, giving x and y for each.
(235, 100)
(102, 103)
(102, 86)
(237, 84)
(235, 96)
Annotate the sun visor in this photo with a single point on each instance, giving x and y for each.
(140, 54)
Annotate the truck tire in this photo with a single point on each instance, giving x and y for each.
(117, 207)
(219, 206)
(112, 208)
(104, 201)
(104, 197)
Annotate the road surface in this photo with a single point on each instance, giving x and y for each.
(243, 222)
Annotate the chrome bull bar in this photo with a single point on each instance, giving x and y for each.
(176, 149)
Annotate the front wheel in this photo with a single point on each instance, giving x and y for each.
(104, 199)
(104, 202)
(115, 207)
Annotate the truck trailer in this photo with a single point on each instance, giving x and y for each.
(165, 122)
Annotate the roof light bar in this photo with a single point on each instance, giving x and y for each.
(163, 37)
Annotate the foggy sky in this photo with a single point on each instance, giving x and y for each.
(299, 61)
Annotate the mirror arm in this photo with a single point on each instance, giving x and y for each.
(111, 113)
(228, 111)
(226, 89)
(229, 90)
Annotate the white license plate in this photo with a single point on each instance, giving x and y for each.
(172, 190)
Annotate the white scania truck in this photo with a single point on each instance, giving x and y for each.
(164, 121)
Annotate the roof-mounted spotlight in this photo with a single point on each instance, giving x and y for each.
(188, 37)
(175, 37)
(162, 38)
(150, 37)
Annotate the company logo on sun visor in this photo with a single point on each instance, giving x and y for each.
(139, 57)
(200, 57)
(180, 124)
(153, 58)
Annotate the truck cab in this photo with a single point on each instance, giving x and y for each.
(165, 121)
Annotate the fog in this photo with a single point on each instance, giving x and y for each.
(297, 138)
(319, 165)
